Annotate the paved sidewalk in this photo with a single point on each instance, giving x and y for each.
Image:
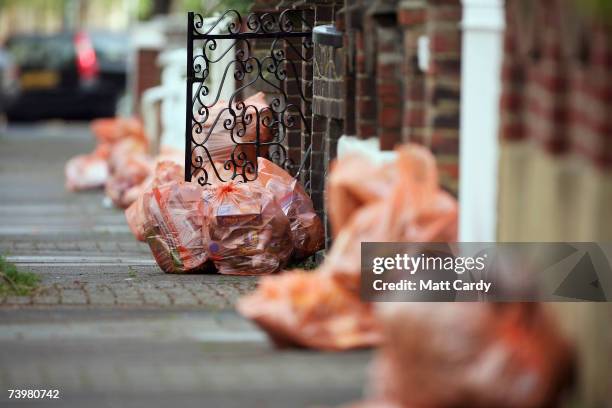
(108, 328)
(82, 249)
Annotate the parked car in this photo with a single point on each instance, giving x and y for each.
(66, 75)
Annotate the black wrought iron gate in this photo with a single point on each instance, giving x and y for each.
(223, 138)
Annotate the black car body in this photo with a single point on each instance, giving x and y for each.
(66, 75)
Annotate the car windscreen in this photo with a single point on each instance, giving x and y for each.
(49, 52)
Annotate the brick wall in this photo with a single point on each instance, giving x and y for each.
(365, 82)
(383, 92)
(371, 85)
(443, 87)
(412, 16)
(557, 81)
(389, 92)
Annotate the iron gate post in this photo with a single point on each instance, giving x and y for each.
(188, 98)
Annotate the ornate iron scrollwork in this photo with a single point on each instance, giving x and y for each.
(254, 131)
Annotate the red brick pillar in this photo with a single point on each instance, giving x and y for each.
(348, 74)
(412, 15)
(328, 104)
(443, 85)
(365, 78)
(389, 85)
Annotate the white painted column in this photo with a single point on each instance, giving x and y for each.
(481, 59)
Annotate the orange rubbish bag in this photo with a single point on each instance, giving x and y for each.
(116, 138)
(309, 310)
(348, 189)
(416, 210)
(112, 130)
(246, 231)
(480, 355)
(87, 171)
(244, 118)
(165, 172)
(413, 207)
(174, 224)
(132, 170)
(124, 150)
(306, 227)
(122, 186)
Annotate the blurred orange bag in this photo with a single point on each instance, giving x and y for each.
(310, 310)
(481, 355)
(132, 170)
(415, 210)
(112, 130)
(123, 150)
(349, 189)
(246, 231)
(174, 225)
(117, 139)
(306, 227)
(87, 171)
(165, 172)
(122, 185)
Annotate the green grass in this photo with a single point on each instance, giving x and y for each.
(14, 281)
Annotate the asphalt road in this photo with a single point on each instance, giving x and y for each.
(107, 328)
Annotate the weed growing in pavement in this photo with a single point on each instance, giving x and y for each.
(131, 272)
(14, 281)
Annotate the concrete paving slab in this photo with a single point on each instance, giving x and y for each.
(194, 357)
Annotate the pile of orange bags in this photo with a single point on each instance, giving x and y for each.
(114, 137)
(322, 309)
(233, 228)
(120, 162)
(507, 355)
